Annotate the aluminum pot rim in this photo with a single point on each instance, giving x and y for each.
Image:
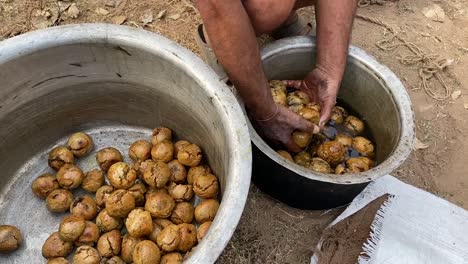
(235, 197)
(394, 86)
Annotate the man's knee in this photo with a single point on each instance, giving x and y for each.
(267, 15)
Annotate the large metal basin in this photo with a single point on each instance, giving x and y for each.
(370, 89)
(115, 83)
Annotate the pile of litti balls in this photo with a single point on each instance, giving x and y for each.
(348, 151)
(133, 213)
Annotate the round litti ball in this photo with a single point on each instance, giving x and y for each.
(172, 258)
(70, 176)
(363, 146)
(102, 194)
(180, 192)
(60, 260)
(206, 210)
(285, 154)
(190, 155)
(354, 124)
(163, 151)
(360, 164)
(178, 173)
(146, 252)
(279, 96)
(319, 165)
(10, 238)
(140, 150)
(113, 260)
(301, 138)
(206, 186)
(85, 207)
(139, 223)
(161, 134)
(120, 203)
(93, 180)
(179, 145)
(59, 156)
(80, 144)
(106, 223)
(71, 227)
(188, 237)
(202, 230)
(138, 191)
(158, 226)
(55, 247)
(59, 201)
(121, 176)
(338, 114)
(303, 158)
(182, 213)
(108, 156)
(310, 114)
(157, 174)
(89, 236)
(128, 245)
(169, 238)
(109, 244)
(340, 169)
(345, 140)
(332, 152)
(160, 204)
(43, 185)
(193, 172)
(86, 255)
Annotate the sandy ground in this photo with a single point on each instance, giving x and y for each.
(270, 232)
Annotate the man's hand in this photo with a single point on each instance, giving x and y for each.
(281, 125)
(321, 88)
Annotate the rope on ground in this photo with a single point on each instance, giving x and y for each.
(363, 3)
(431, 65)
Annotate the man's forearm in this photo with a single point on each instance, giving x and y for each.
(334, 25)
(232, 38)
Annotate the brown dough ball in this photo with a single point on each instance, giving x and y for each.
(354, 124)
(345, 140)
(93, 180)
(182, 213)
(332, 152)
(85, 207)
(302, 139)
(121, 176)
(178, 172)
(193, 172)
(108, 156)
(169, 238)
(60, 260)
(319, 165)
(180, 192)
(315, 106)
(120, 203)
(106, 223)
(279, 96)
(109, 244)
(293, 100)
(43, 185)
(310, 114)
(55, 247)
(59, 156)
(139, 223)
(140, 150)
(285, 154)
(86, 255)
(340, 169)
(128, 245)
(188, 237)
(190, 155)
(80, 144)
(89, 236)
(278, 85)
(113, 260)
(146, 252)
(206, 186)
(296, 108)
(160, 204)
(202, 230)
(304, 98)
(363, 146)
(59, 201)
(158, 226)
(102, 194)
(142, 166)
(138, 191)
(338, 114)
(206, 210)
(357, 165)
(303, 159)
(179, 145)
(70, 176)
(172, 258)
(163, 151)
(10, 238)
(157, 174)
(161, 134)
(71, 227)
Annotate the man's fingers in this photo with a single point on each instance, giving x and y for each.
(293, 83)
(292, 146)
(304, 125)
(327, 107)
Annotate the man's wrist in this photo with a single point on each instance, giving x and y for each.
(262, 109)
